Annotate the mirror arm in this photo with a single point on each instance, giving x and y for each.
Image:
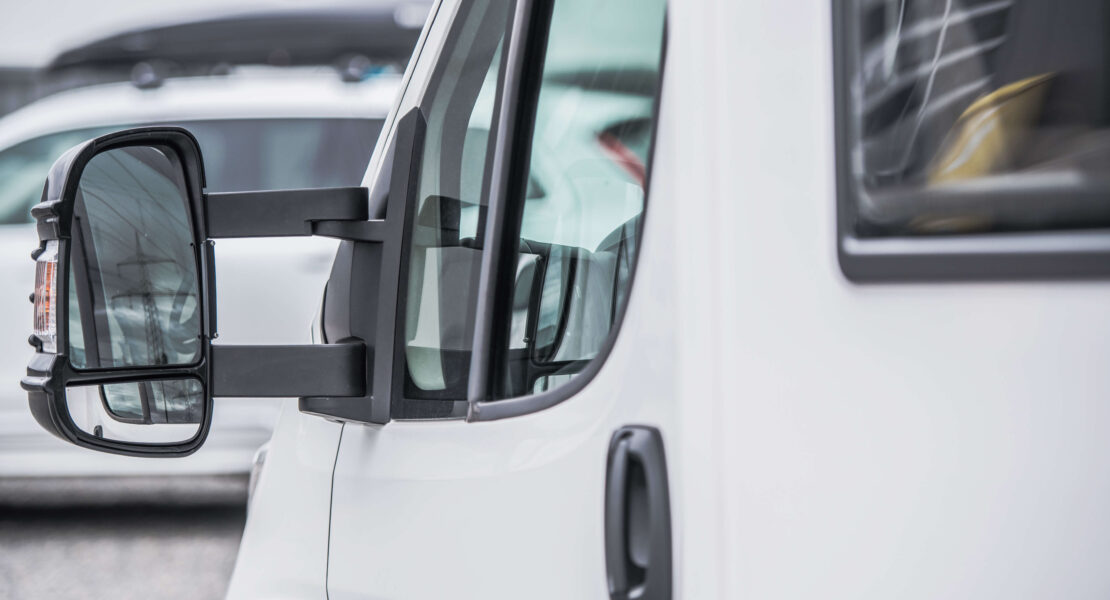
(358, 231)
(328, 370)
(335, 212)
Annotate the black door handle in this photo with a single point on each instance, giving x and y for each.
(637, 516)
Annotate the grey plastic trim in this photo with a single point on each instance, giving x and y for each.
(281, 212)
(638, 555)
(995, 257)
(493, 259)
(366, 290)
(289, 371)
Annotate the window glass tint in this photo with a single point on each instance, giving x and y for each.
(239, 155)
(585, 195)
(973, 116)
(449, 216)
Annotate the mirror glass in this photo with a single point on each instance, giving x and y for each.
(152, 412)
(134, 297)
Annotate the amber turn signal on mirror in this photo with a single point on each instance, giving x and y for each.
(46, 297)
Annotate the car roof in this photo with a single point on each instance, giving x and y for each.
(384, 31)
(247, 94)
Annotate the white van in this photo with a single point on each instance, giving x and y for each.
(711, 299)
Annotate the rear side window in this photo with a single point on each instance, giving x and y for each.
(973, 118)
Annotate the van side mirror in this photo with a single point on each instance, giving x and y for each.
(125, 295)
(123, 321)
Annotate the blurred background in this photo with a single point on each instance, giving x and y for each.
(280, 94)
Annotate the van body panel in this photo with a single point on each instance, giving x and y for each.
(824, 438)
(284, 549)
(878, 440)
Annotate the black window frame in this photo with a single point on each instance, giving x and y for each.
(1020, 256)
(504, 183)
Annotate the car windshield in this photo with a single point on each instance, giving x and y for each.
(239, 155)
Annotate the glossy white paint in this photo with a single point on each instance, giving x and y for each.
(284, 551)
(910, 441)
(824, 439)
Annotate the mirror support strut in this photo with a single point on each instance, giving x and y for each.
(333, 212)
(376, 277)
(337, 370)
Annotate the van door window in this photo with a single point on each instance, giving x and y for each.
(588, 153)
(583, 166)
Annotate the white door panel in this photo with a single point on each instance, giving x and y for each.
(284, 550)
(503, 509)
(527, 512)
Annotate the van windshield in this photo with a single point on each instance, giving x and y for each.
(239, 155)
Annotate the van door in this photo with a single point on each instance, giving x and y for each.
(509, 467)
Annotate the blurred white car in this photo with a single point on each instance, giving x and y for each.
(259, 128)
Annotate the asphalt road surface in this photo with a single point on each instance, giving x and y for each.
(117, 539)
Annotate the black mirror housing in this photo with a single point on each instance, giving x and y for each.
(169, 244)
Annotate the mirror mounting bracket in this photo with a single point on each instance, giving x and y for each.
(365, 295)
(373, 230)
(341, 212)
(336, 370)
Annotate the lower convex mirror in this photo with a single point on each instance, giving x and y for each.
(148, 412)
